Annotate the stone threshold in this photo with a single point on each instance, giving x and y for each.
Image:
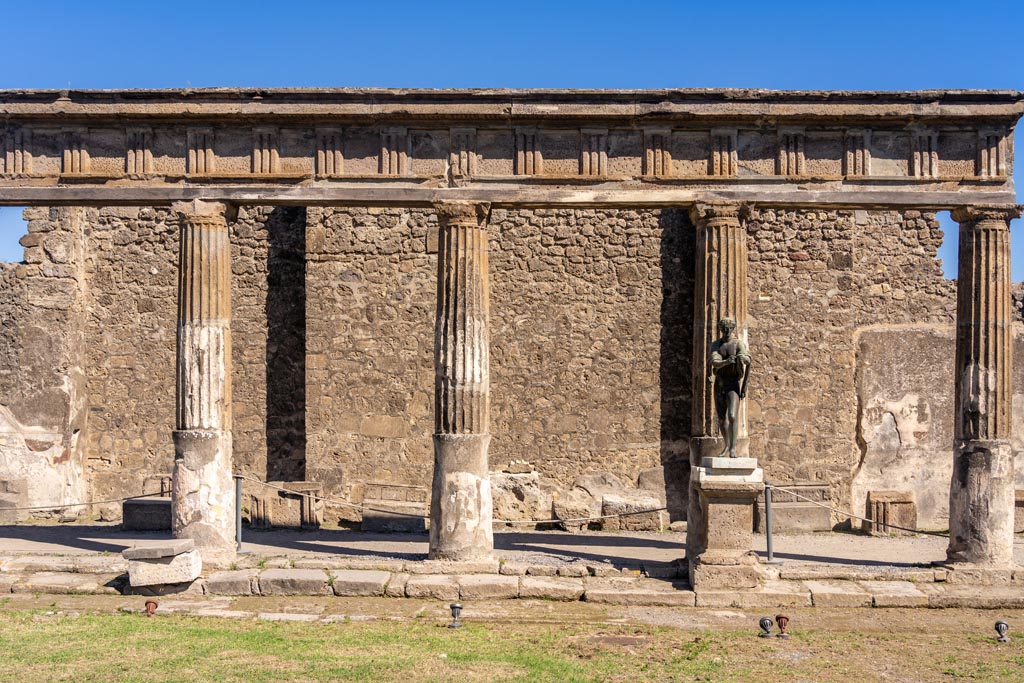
(798, 586)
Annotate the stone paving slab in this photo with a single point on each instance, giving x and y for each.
(293, 582)
(894, 594)
(436, 587)
(550, 588)
(236, 582)
(359, 582)
(449, 567)
(488, 587)
(772, 594)
(287, 616)
(838, 594)
(66, 583)
(977, 597)
(642, 597)
(849, 573)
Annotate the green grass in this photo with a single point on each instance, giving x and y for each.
(50, 647)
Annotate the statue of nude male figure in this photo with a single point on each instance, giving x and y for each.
(730, 369)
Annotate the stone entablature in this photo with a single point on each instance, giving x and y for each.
(934, 141)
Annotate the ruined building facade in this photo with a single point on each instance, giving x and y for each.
(597, 213)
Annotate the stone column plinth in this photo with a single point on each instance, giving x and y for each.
(720, 552)
(981, 491)
(461, 509)
(720, 291)
(202, 492)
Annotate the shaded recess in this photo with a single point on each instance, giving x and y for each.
(676, 351)
(286, 344)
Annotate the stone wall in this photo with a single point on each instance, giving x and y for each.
(590, 332)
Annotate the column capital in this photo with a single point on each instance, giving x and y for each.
(202, 212)
(977, 213)
(472, 214)
(702, 212)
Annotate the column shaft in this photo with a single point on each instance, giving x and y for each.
(720, 291)
(202, 489)
(981, 493)
(461, 505)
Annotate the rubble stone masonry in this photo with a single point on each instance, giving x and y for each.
(591, 324)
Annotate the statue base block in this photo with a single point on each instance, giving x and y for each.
(722, 556)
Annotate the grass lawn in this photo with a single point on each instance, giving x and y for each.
(40, 646)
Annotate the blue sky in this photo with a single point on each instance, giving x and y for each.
(863, 45)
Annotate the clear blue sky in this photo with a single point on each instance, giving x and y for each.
(863, 45)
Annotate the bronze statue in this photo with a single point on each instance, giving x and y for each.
(730, 369)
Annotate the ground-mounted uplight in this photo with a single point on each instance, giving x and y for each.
(1001, 628)
(783, 621)
(456, 608)
(766, 627)
(151, 607)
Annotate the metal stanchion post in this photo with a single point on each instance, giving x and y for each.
(768, 520)
(238, 513)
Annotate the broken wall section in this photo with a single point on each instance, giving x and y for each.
(43, 405)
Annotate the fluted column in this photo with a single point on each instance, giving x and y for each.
(981, 491)
(203, 506)
(720, 291)
(461, 510)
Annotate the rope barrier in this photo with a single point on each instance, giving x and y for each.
(850, 514)
(62, 506)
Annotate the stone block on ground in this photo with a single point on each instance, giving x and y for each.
(894, 593)
(433, 586)
(293, 582)
(550, 588)
(287, 504)
(237, 582)
(40, 563)
(889, 509)
(146, 514)
(100, 564)
(640, 512)
(519, 497)
(513, 568)
(838, 594)
(978, 576)
(167, 562)
(574, 505)
(359, 582)
(574, 570)
(394, 508)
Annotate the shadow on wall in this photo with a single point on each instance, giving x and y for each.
(286, 344)
(677, 272)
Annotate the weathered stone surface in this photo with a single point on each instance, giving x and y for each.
(488, 587)
(146, 514)
(997, 597)
(453, 567)
(164, 569)
(892, 513)
(549, 588)
(293, 582)
(432, 586)
(771, 594)
(894, 593)
(519, 497)
(157, 550)
(575, 507)
(235, 582)
(356, 582)
(628, 505)
(666, 598)
(396, 586)
(63, 583)
(979, 575)
(838, 594)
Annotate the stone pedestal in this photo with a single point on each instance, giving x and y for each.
(720, 553)
(203, 494)
(461, 506)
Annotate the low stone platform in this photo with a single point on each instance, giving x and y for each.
(596, 582)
